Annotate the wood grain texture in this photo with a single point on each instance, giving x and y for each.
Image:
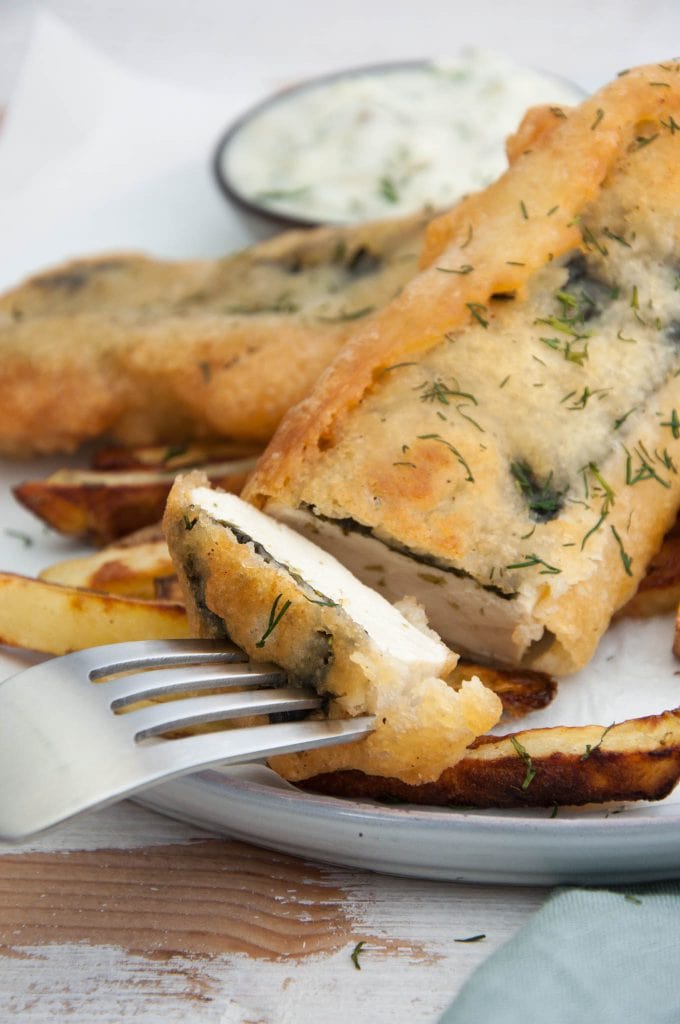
(126, 915)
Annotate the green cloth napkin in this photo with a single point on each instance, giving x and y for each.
(588, 955)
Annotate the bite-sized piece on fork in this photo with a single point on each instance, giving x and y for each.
(98, 725)
(149, 351)
(282, 598)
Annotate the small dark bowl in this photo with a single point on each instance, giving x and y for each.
(261, 218)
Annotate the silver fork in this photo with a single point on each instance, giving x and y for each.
(71, 739)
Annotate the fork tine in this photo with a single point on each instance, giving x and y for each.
(111, 658)
(164, 681)
(233, 746)
(178, 714)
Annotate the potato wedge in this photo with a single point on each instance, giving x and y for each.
(55, 619)
(520, 690)
(638, 759)
(176, 457)
(100, 505)
(659, 590)
(127, 571)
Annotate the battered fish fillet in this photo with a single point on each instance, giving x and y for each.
(284, 600)
(145, 351)
(502, 440)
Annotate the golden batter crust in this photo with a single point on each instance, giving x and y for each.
(509, 424)
(146, 351)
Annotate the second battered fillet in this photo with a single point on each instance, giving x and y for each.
(145, 351)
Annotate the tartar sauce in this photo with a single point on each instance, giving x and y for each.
(388, 140)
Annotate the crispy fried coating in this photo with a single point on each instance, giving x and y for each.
(503, 437)
(145, 351)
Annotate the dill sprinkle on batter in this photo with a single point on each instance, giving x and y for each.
(274, 619)
(477, 309)
(625, 557)
(674, 424)
(459, 457)
(530, 561)
(598, 118)
(466, 268)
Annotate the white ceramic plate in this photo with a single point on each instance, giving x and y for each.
(633, 673)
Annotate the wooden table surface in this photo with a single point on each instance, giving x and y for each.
(124, 914)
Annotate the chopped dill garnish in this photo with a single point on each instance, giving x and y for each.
(596, 746)
(354, 314)
(530, 561)
(472, 938)
(515, 263)
(641, 141)
(504, 381)
(523, 208)
(564, 325)
(625, 557)
(543, 499)
(465, 268)
(616, 238)
(388, 189)
(468, 238)
(274, 619)
(477, 309)
(459, 457)
(622, 419)
(585, 395)
(173, 452)
(324, 602)
(634, 298)
(439, 391)
(671, 124)
(598, 118)
(553, 209)
(189, 523)
(558, 112)
(25, 539)
(356, 953)
(396, 366)
(673, 423)
(645, 470)
(283, 193)
(412, 465)
(577, 356)
(629, 341)
(591, 242)
(523, 753)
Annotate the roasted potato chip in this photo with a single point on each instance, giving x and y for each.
(177, 456)
(659, 590)
(520, 690)
(55, 619)
(100, 505)
(129, 571)
(634, 760)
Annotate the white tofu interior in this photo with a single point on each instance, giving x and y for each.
(389, 630)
